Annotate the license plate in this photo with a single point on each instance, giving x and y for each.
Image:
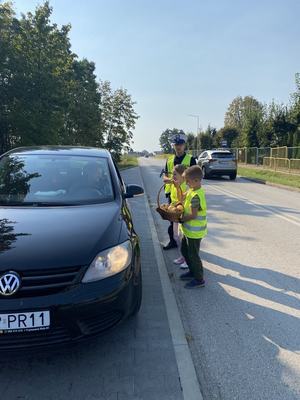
(29, 321)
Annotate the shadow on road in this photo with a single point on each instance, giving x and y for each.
(237, 206)
(262, 282)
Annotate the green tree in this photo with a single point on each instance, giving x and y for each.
(279, 126)
(206, 141)
(118, 119)
(252, 127)
(82, 119)
(9, 28)
(227, 133)
(43, 76)
(246, 116)
(190, 141)
(36, 64)
(234, 116)
(295, 117)
(212, 133)
(48, 96)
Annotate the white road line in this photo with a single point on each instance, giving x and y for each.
(186, 368)
(256, 204)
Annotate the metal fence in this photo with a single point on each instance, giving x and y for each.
(284, 158)
(252, 155)
(284, 164)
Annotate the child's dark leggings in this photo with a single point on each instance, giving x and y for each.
(190, 251)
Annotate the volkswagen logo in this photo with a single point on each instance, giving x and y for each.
(10, 283)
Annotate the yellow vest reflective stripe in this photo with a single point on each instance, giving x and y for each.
(196, 228)
(170, 164)
(174, 197)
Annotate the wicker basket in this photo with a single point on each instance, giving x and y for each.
(169, 215)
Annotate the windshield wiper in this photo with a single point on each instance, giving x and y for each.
(36, 204)
(51, 204)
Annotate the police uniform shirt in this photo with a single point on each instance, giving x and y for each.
(178, 160)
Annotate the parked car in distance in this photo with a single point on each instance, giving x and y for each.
(218, 163)
(69, 255)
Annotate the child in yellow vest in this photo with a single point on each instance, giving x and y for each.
(177, 190)
(194, 227)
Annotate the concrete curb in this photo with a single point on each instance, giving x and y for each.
(124, 169)
(187, 373)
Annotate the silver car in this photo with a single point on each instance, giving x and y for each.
(218, 163)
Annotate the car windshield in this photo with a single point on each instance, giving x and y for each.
(54, 180)
(220, 154)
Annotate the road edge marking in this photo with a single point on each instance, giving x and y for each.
(186, 369)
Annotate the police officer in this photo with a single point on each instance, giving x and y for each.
(180, 157)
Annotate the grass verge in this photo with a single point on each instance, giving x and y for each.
(163, 156)
(270, 176)
(128, 162)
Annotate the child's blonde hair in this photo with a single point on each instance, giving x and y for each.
(194, 172)
(180, 168)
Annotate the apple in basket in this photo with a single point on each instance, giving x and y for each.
(179, 207)
(175, 208)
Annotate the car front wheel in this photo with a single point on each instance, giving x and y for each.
(232, 176)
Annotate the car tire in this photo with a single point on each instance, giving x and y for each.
(232, 176)
(137, 296)
(205, 174)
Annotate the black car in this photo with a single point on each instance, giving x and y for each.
(69, 256)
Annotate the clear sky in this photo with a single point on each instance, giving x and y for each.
(185, 57)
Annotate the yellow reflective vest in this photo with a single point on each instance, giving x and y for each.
(174, 196)
(195, 228)
(170, 164)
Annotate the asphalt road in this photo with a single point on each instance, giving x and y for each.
(244, 326)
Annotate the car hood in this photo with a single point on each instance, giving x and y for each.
(50, 237)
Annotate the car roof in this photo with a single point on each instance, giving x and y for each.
(62, 150)
(220, 150)
(217, 151)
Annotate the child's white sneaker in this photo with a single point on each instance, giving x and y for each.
(184, 265)
(179, 261)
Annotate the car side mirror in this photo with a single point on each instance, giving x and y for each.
(133, 191)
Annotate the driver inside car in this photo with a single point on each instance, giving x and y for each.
(92, 182)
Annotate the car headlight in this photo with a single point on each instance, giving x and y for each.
(109, 262)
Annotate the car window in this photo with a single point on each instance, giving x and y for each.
(203, 155)
(54, 180)
(221, 154)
